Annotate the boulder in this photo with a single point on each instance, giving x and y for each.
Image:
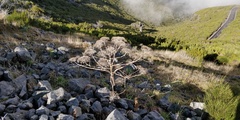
(10, 109)
(75, 111)
(144, 84)
(72, 102)
(21, 84)
(197, 105)
(133, 116)
(65, 117)
(18, 115)
(57, 95)
(6, 88)
(43, 117)
(85, 105)
(2, 107)
(7, 76)
(12, 101)
(102, 93)
(3, 59)
(122, 103)
(25, 105)
(45, 84)
(164, 103)
(30, 113)
(96, 107)
(86, 116)
(42, 110)
(153, 115)
(116, 115)
(78, 85)
(23, 54)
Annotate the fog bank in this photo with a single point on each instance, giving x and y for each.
(157, 11)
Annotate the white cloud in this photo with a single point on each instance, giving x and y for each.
(155, 11)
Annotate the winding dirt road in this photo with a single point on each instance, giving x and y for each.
(230, 18)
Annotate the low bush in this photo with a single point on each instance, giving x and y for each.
(220, 102)
(20, 18)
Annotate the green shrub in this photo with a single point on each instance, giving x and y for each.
(220, 102)
(21, 18)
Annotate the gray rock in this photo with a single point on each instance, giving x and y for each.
(12, 101)
(30, 113)
(2, 107)
(75, 111)
(142, 112)
(144, 84)
(85, 105)
(51, 66)
(62, 109)
(25, 105)
(133, 116)
(89, 94)
(84, 73)
(38, 94)
(3, 59)
(78, 85)
(97, 107)
(72, 102)
(21, 84)
(18, 115)
(50, 46)
(86, 116)
(174, 108)
(34, 117)
(42, 110)
(52, 106)
(55, 113)
(102, 93)
(65, 117)
(186, 112)
(62, 49)
(43, 117)
(174, 116)
(6, 88)
(164, 103)
(32, 85)
(1, 74)
(57, 95)
(153, 115)
(45, 84)
(45, 71)
(122, 103)
(23, 54)
(104, 102)
(116, 115)
(7, 76)
(10, 55)
(196, 105)
(166, 88)
(10, 109)
(36, 76)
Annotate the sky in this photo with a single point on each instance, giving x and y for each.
(156, 11)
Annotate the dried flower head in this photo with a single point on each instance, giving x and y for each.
(84, 60)
(89, 52)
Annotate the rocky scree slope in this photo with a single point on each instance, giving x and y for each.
(27, 92)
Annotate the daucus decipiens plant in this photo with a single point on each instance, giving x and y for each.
(115, 57)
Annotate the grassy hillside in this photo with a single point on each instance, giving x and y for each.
(65, 16)
(191, 35)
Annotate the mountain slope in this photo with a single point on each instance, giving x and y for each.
(191, 35)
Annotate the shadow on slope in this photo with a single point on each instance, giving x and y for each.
(84, 11)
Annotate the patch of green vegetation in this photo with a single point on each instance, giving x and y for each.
(220, 102)
(19, 18)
